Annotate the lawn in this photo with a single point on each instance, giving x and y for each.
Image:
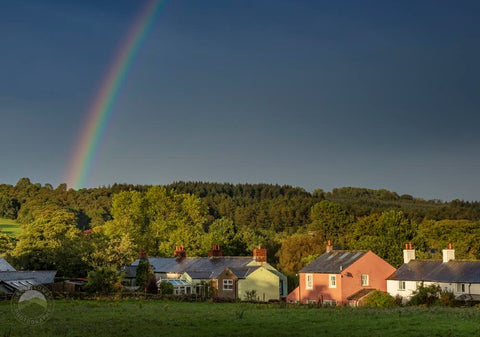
(10, 227)
(162, 318)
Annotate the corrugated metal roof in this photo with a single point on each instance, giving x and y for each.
(40, 276)
(5, 266)
(333, 262)
(438, 271)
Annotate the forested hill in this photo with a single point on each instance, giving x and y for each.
(292, 223)
(280, 208)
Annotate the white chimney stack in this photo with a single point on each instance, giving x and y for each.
(408, 253)
(448, 254)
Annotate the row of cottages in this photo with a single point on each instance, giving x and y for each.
(462, 278)
(341, 277)
(231, 277)
(12, 279)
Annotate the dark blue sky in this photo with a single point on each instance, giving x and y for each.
(317, 94)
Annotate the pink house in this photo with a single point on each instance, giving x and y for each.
(341, 277)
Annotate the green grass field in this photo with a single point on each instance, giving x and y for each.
(10, 227)
(162, 318)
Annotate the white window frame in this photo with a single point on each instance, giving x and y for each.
(332, 281)
(365, 280)
(329, 303)
(461, 288)
(402, 285)
(308, 281)
(228, 284)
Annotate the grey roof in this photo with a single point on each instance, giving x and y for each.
(130, 271)
(333, 262)
(202, 267)
(438, 271)
(199, 274)
(243, 272)
(39, 277)
(5, 266)
(360, 294)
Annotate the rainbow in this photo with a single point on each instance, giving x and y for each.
(101, 109)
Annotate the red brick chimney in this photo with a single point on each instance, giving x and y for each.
(260, 254)
(142, 255)
(215, 251)
(329, 246)
(180, 252)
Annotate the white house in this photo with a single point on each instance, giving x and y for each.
(462, 278)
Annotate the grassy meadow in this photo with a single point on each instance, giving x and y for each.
(10, 227)
(166, 318)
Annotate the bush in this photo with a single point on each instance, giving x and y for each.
(152, 287)
(166, 288)
(103, 280)
(426, 296)
(379, 299)
(251, 296)
(144, 272)
(447, 298)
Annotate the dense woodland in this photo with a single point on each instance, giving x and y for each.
(101, 229)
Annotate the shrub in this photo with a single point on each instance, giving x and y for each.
(166, 288)
(152, 287)
(426, 296)
(447, 298)
(379, 299)
(103, 280)
(144, 272)
(251, 296)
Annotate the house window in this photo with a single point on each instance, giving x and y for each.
(401, 285)
(309, 281)
(364, 280)
(460, 287)
(228, 284)
(329, 303)
(332, 281)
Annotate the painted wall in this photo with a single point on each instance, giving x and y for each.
(377, 269)
(348, 280)
(393, 289)
(321, 290)
(264, 282)
(412, 286)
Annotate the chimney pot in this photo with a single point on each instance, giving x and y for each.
(448, 254)
(408, 253)
(329, 246)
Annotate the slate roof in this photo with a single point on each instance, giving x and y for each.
(452, 271)
(38, 277)
(360, 294)
(333, 262)
(5, 266)
(201, 267)
(130, 271)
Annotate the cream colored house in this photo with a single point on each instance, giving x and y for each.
(462, 278)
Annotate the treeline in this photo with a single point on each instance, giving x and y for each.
(291, 223)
